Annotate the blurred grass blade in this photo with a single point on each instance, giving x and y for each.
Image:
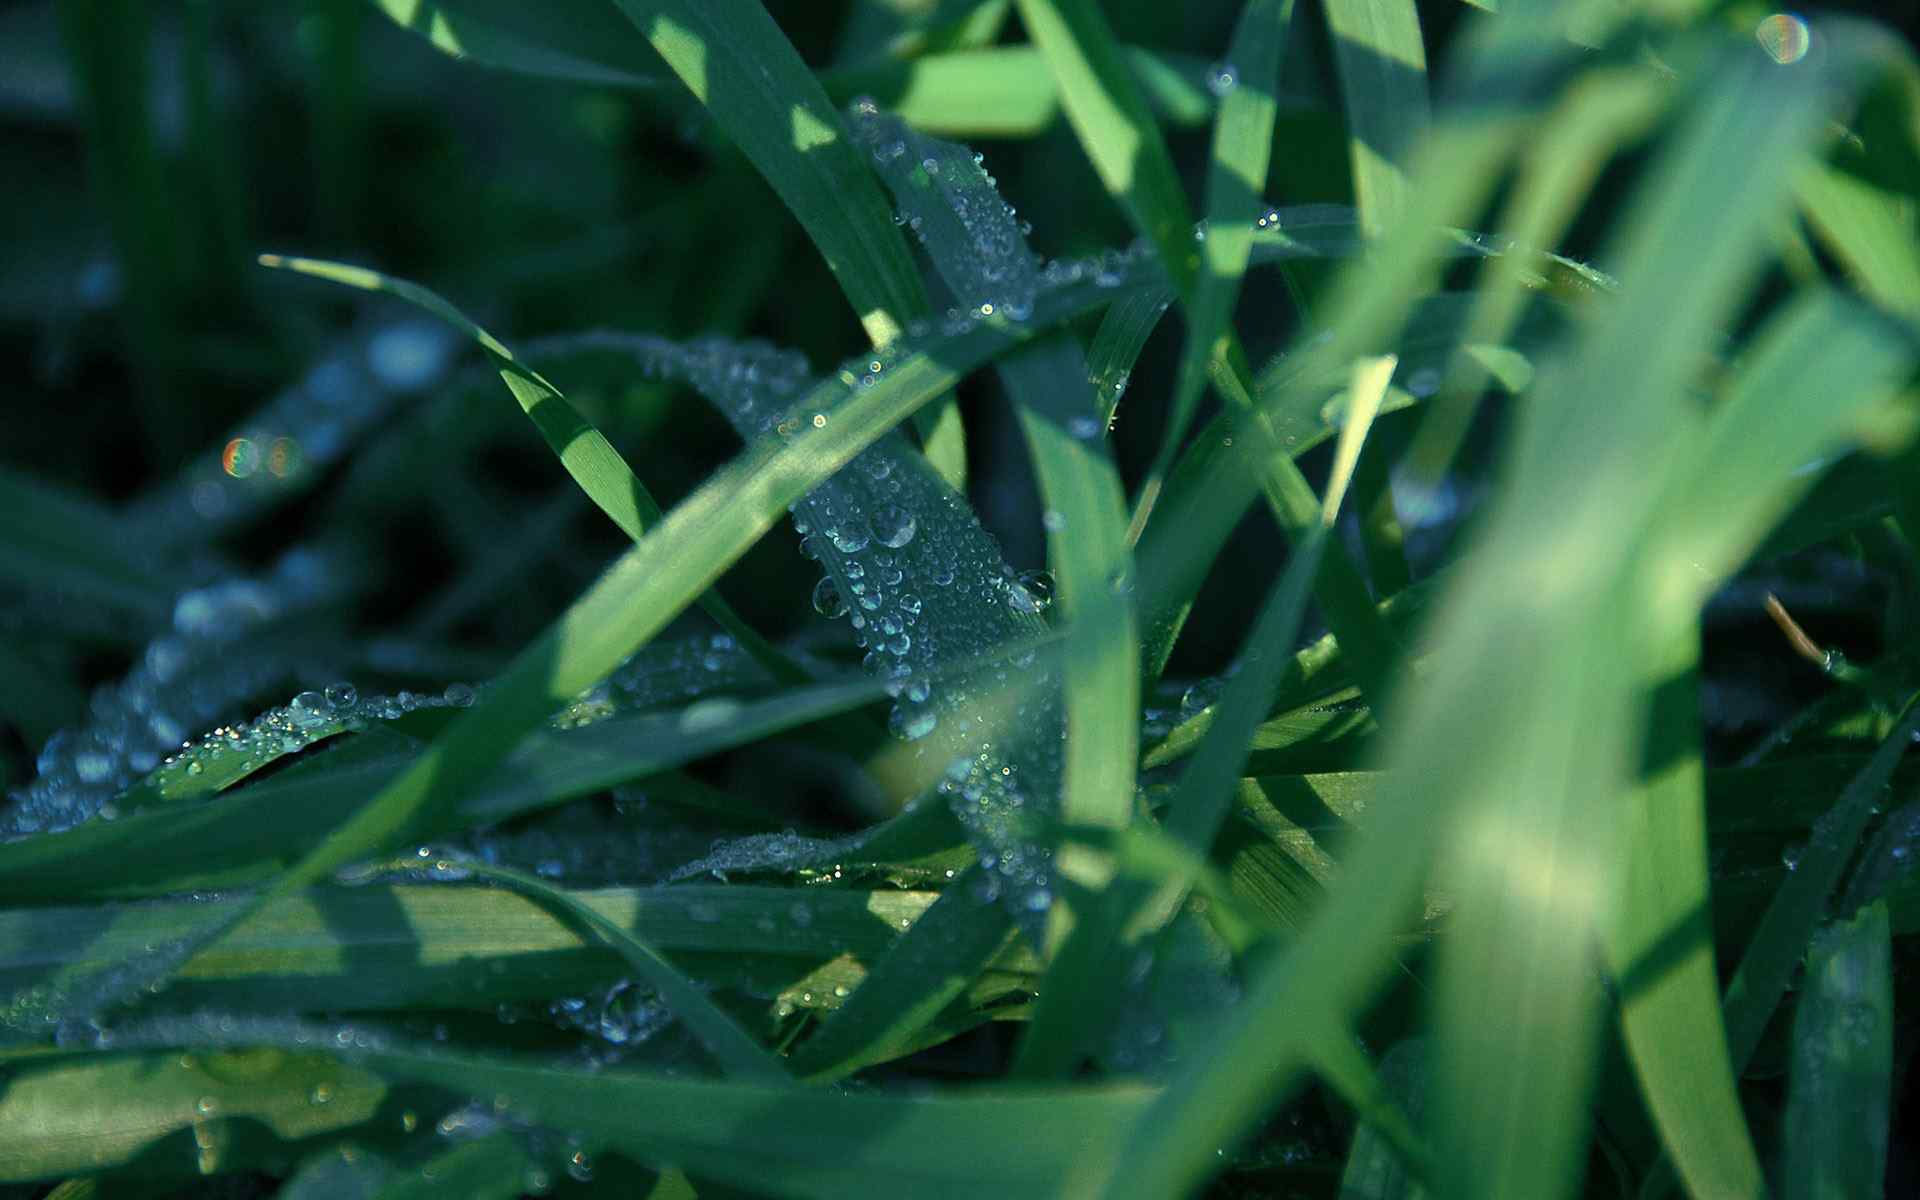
(735, 60)
(1383, 80)
(1839, 1098)
(1811, 371)
(1869, 230)
(493, 1167)
(1604, 110)
(1368, 389)
(49, 540)
(1236, 186)
(729, 1044)
(1375, 1169)
(582, 42)
(582, 449)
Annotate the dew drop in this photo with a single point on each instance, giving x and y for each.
(894, 526)
(827, 601)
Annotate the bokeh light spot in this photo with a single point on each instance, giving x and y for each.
(1785, 37)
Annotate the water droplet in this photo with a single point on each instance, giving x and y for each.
(1791, 855)
(1221, 79)
(459, 695)
(309, 709)
(827, 601)
(342, 695)
(1053, 520)
(911, 723)
(893, 526)
(1033, 592)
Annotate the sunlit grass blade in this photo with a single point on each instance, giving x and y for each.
(1866, 228)
(1812, 371)
(1383, 79)
(582, 449)
(1005, 91)
(729, 1044)
(735, 60)
(1839, 1098)
(908, 987)
(86, 1114)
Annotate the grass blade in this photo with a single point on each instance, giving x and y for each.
(584, 43)
(735, 60)
(1236, 183)
(1839, 1100)
(582, 449)
(729, 1044)
(1777, 946)
(1383, 78)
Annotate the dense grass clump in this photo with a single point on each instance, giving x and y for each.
(1017, 598)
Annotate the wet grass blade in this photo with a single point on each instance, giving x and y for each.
(1383, 79)
(735, 60)
(1839, 1099)
(977, 246)
(729, 1044)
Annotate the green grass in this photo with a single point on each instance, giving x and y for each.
(1333, 746)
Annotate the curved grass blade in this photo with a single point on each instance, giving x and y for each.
(730, 1045)
(1383, 80)
(582, 449)
(1839, 1098)
(735, 60)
